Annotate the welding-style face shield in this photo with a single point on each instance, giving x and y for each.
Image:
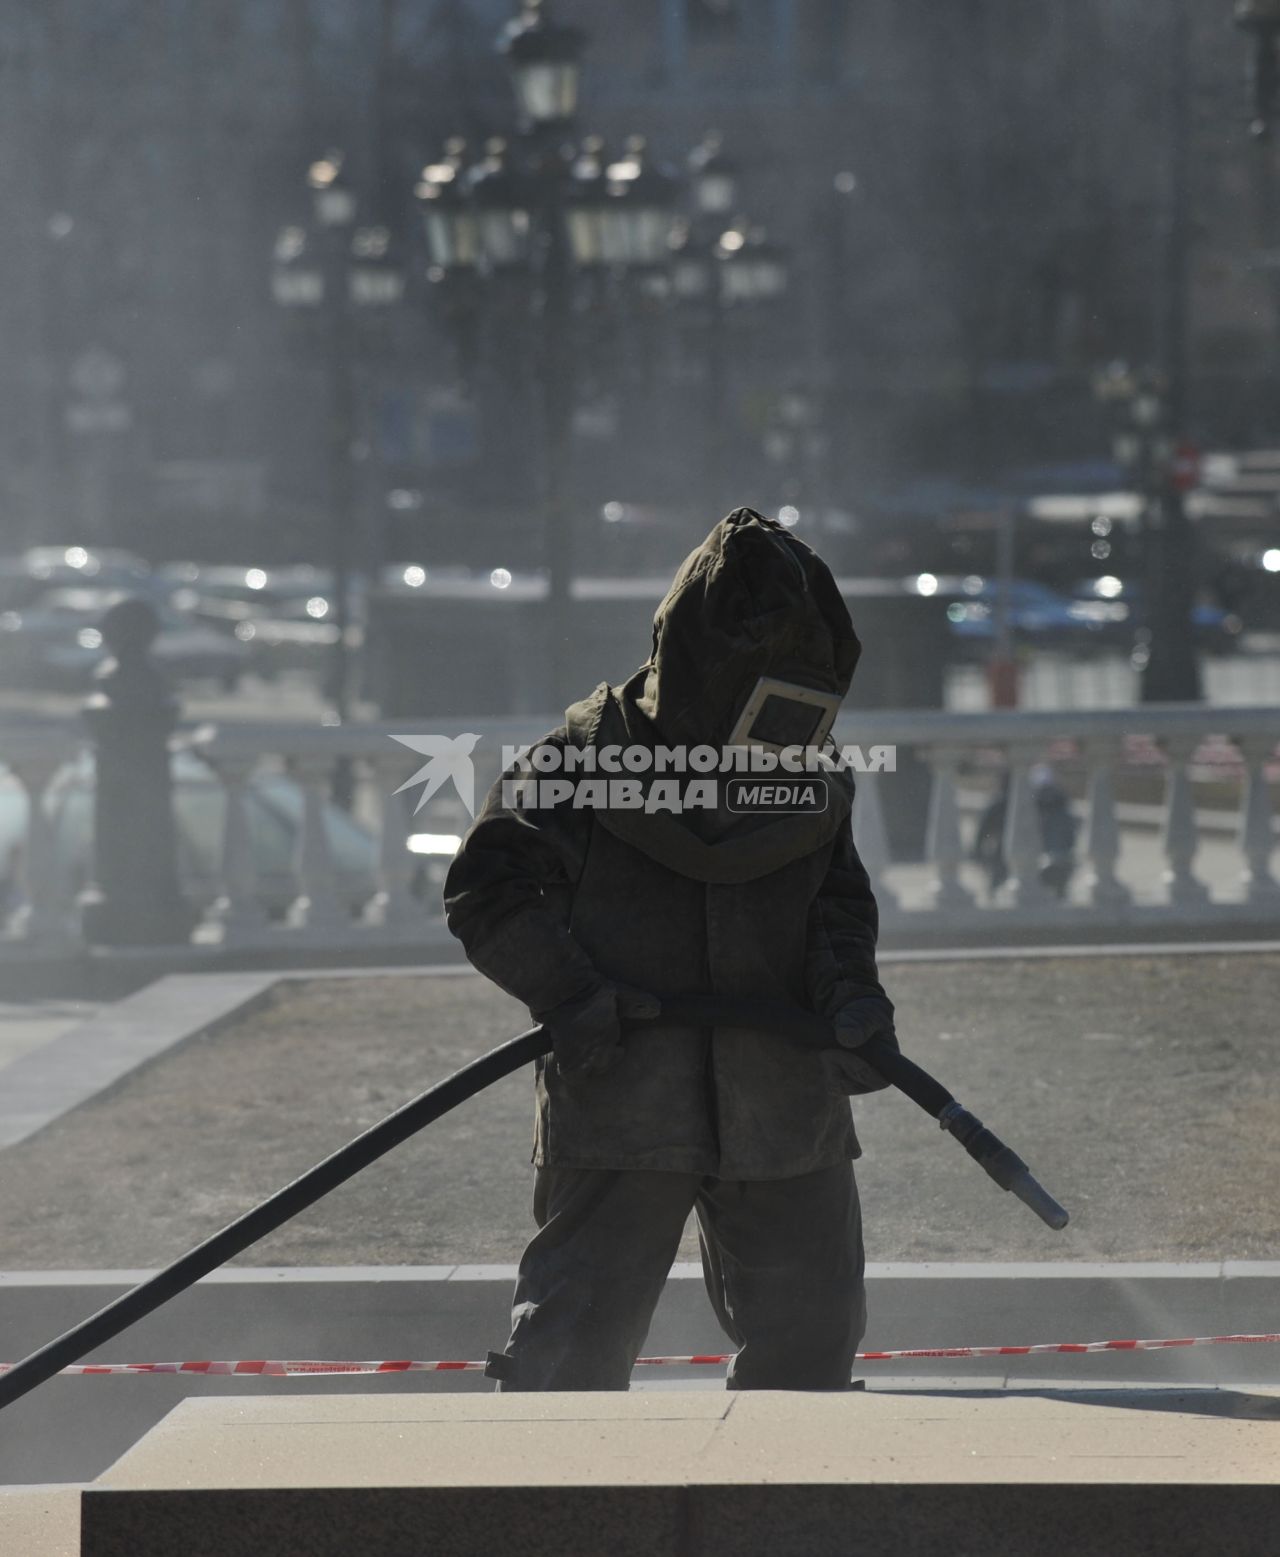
(752, 644)
(780, 714)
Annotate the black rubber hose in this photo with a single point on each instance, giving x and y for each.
(265, 1218)
(692, 1010)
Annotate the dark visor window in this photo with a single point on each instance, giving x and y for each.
(782, 721)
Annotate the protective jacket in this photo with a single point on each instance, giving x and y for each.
(550, 901)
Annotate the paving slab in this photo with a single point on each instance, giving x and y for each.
(28, 1025)
(682, 1472)
(55, 1071)
(40, 1521)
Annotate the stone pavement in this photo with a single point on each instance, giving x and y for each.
(40, 1521)
(1143, 1090)
(679, 1473)
(1096, 1473)
(26, 1026)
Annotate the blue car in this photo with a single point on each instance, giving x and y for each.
(1035, 612)
(1116, 605)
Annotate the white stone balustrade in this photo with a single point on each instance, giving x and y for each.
(39, 911)
(1166, 856)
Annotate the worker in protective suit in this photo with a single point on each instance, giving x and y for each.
(585, 913)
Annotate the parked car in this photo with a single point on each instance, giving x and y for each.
(1036, 613)
(285, 618)
(25, 578)
(224, 596)
(1116, 606)
(56, 643)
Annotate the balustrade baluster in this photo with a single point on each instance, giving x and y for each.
(239, 910)
(1102, 840)
(944, 844)
(872, 838)
(1022, 842)
(1257, 838)
(394, 903)
(1180, 838)
(40, 917)
(319, 904)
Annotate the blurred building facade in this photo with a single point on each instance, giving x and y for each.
(976, 198)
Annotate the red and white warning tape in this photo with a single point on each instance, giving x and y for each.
(265, 1369)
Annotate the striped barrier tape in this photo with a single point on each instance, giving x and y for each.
(300, 1369)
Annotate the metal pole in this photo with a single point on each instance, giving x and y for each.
(557, 371)
(1003, 669)
(842, 403)
(716, 387)
(341, 434)
(1172, 671)
(1267, 219)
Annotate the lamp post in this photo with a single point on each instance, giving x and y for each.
(695, 283)
(1154, 413)
(1159, 469)
(720, 262)
(542, 208)
(1261, 19)
(795, 444)
(337, 266)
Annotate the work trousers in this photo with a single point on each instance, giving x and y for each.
(782, 1260)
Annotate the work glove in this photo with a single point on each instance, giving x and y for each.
(857, 1023)
(586, 1032)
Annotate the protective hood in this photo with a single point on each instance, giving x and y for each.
(751, 602)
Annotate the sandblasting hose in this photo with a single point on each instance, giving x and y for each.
(779, 1018)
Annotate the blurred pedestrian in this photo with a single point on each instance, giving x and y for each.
(1058, 831)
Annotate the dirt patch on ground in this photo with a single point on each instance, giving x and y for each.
(1144, 1092)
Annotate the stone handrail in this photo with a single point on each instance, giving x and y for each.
(1121, 879)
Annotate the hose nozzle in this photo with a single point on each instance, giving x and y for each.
(1002, 1163)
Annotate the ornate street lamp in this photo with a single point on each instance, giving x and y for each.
(375, 278)
(505, 200)
(548, 207)
(753, 269)
(544, 58)
(635, 221)
(713, 180)
(1146, 449)
(535, 206)
(337, 267)
(716, 270)
(450, 225)
(297, 279)
(333, 201)
(586, 204)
